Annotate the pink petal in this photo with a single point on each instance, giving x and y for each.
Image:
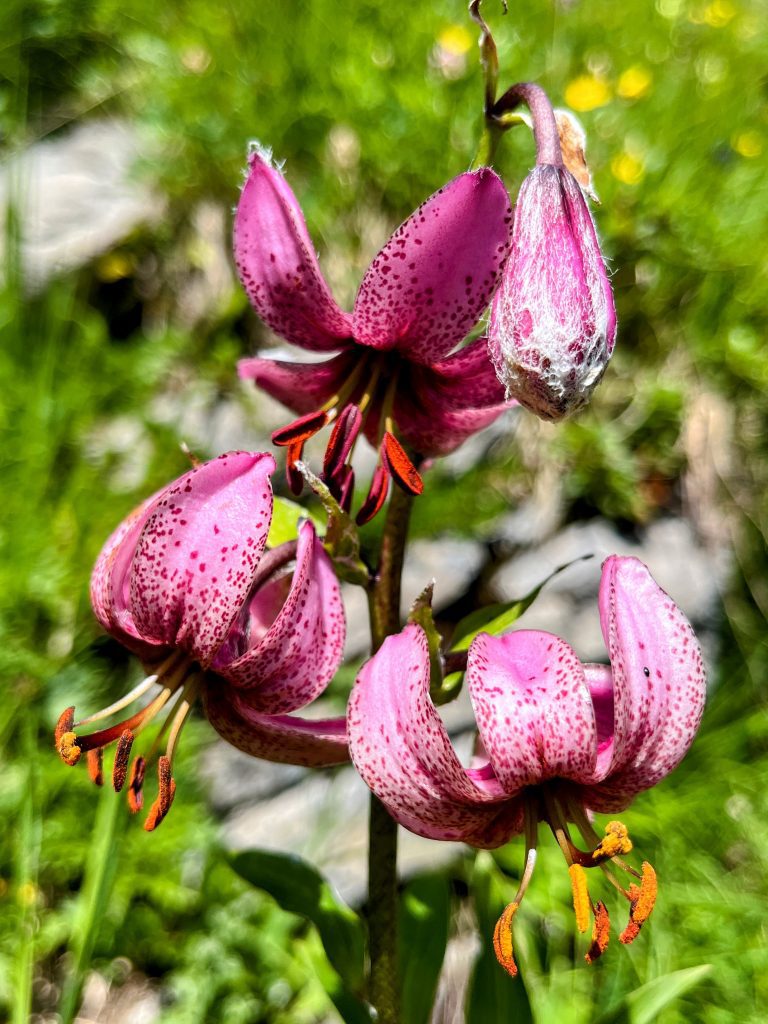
(110, 579)
(659, 685)
(401, 749)
(281, 738)
(533, 708)
(429, 284)
(294, 659)
(278, 266)
(198, 552)
(442, 405)
(302, 387)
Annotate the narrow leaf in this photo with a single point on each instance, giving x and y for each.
(425, 910)
(342, 541)
(644, 1005)
(300, 889)
(421, 615)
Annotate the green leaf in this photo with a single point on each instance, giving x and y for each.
(644, 1005)
(285, 521)
(495, 618)
(425, 910)
(421, 615)
(300, 889)
(342, 541)
(493, 995)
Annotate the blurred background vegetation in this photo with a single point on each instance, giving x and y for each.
(107, 365)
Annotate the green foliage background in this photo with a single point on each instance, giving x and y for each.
(373, 106)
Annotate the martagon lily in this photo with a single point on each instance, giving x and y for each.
(558, 739)
(391, 377)
(187, 584)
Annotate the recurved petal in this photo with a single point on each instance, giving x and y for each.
(401, 749)
(659, 685)
(302, 387)
(533, 708)
(444, 404)
(199, 550)
(434, 277)
(282, 738)
(110, 590)
(287, 662)
(278, 266)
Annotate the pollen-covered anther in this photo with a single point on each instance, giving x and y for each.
(122, 758)
(165, 795)
(614, 843)
(95, 762)
(642, 901)
(64, 725)
(502, 939)
(402, 470)
(300, 430)
(136, 784)
(581, 901)
(69, 751)
(601, 933)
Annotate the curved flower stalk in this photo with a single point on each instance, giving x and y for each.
(553, 320)
(558, 738)
(186, 583)
(392, 377)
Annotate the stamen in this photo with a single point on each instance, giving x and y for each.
(129, 698)
(502, 940)
(346, 488)
(300, 430)
(292, 475)
(95, 759)
(343, 436)
(122, 757)
(616, 841)
(581, 901)
(601, 932)
(377, 495)
(403, 471)
(134, 723)
(69, 751)
(64, 725)
(135, 785)
(165, 795)
(642, 901)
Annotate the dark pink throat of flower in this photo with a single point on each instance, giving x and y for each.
(179, 681)
(556, 803)
(365, 400)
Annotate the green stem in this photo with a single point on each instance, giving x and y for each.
(384, 608)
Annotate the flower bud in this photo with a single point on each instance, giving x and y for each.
(553, 321)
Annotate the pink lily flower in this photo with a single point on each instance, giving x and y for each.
(391, 376)
(186, 583)
(553, 319)
(559, 739)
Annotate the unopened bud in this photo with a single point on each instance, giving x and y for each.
(553, 321)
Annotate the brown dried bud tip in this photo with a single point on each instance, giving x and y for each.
(122, 757)
(135, 786)
(95, 761)
(502, 940)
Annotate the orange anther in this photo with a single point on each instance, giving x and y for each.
(615, 842)
(122, 756)
(64, 725)
(502, 940)
(95, 761)
(69, 751)
(403, 471)
(581, 901)
(601, 931)
(166, 793)
(642, 900)
(135, 790)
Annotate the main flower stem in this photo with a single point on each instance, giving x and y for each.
(384, 608)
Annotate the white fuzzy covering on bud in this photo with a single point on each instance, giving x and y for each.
(553, 321)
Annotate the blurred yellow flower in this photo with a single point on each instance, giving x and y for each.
(628, 168)
(454, 39)
(586, 93)
(719, 13)
(748, 144)
(634, 83)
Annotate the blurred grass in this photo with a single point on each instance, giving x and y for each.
(373, 106)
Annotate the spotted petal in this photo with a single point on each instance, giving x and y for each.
(659, 684)
(302, 387)
(429, 284)
(401, 749)
(295, 656)
(278, 266)
(533, 708)
(198, 553)
(282, 738)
